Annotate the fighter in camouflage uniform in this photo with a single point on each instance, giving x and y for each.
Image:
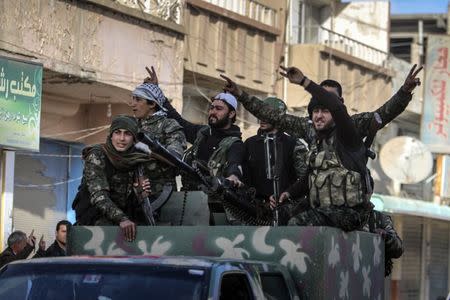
(382, 224)
(337, 178)
(147, 105)
(108, 176)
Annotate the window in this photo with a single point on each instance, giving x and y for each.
(235, 287)
(102, 281)
(274, 286)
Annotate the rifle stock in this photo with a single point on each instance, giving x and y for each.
(144, 200)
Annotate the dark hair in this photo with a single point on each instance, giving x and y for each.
(156, 104)
(63, 222)
(230, 108)
(16, 237)
(333, 84)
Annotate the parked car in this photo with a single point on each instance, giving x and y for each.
(143, 277)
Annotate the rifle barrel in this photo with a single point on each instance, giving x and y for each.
(167, 156)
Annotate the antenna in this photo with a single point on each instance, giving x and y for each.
(406, 160)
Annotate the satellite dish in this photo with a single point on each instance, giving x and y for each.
(406, 160)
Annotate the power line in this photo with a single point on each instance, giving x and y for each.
(76, 131)
(47, 155)
(48, 185)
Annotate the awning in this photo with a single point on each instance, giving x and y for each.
(397, 205)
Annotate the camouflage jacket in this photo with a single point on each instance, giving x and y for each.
(301, 127)
(170, 134)
(392, 242)
(110, 196)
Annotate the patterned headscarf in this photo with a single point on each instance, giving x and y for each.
(151, 92)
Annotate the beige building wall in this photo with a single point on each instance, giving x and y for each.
(222, 41)
(94, 54)
(364, 21)
(365, 86)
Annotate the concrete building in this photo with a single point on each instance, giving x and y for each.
(347, 42)
(242, 39)
(93, 54)
(422, 222)
(356, 44)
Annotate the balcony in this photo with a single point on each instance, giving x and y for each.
(249, 8)
(334, 40)
(169, 10)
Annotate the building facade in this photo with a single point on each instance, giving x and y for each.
(93, 54)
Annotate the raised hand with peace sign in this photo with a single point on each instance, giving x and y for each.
(411, 81)
(153, 78)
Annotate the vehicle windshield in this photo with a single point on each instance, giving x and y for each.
(100, 282)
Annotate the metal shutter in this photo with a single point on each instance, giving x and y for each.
(41, 189)
(437, 268)
(411, 260)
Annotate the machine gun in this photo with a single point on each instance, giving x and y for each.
(272, 169)
(239, 201)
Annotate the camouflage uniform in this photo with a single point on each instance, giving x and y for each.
(170, 134)
(393, 245)
(336, 194)
(110, 197)
(299, 157)
(302, 127)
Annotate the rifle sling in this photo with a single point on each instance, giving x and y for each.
(163, 197)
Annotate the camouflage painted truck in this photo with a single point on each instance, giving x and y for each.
(320, 262)
(198, 261)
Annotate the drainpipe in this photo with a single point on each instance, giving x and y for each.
(287, 38)
(420, 42)
(303, 22)
(330, 52)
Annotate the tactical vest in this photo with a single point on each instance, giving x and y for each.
(330, 183)
(217, 162)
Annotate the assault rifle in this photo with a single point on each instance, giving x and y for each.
(239, 198)
(272, 169)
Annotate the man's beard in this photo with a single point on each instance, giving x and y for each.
(325, 128)
(269, 128)
(220, 123)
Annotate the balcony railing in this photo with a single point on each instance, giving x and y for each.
(249, 8)
(324, 36)
(169, 10)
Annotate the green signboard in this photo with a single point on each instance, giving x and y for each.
(20, 104)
